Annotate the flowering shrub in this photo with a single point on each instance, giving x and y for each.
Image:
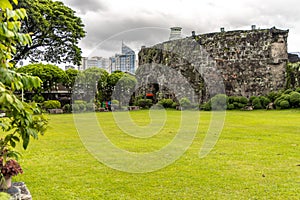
(10, 168)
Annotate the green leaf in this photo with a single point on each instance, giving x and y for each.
(5, 4)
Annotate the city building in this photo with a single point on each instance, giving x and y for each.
(124, 62)
(95, 61)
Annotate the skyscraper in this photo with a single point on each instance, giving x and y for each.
(124, 62)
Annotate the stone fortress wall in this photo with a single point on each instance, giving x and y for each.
(251, 62)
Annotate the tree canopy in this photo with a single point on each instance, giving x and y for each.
(50, 75)
(55, 31)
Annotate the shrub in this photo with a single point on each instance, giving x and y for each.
(243, 100)
(144, 103)
(75, 107)
(288, 91)
(174, 105)
(297, 89)
(67, 108)
(115, 102)
(284, 104)
(38, 98)
(231, 99)
(90, 107)
(264, 101)
(256, 103)
(219, 102)
(230, 106)
(295, 99)
(273, 96)
(184, 102)
(166, 103)
(252, 98)
(79, 106)
(206, 106)
(51, 104)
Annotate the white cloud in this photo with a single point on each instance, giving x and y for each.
(104, 19)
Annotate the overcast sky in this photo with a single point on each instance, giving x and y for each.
(147, 22)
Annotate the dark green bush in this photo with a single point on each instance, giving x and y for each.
(174, 105)
(231, 99)
(67, 108)
(38, 98)
(90, 107)
(264, 101)
(274, 95)
(295, 99)
(219, 102)
(230, 107)
(243, 100)
(206, 106)
(79, 106)
(252, 98)
(288, 91)
(284, 104)
(144, 103)
(51, 104)
(256, 103)
(185, 103)
(166, 103)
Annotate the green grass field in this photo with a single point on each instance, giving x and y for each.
(257, 157)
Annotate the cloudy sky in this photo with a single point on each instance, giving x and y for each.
(141, 22)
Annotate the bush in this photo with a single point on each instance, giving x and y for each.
(51, 104)
(230, 107)
(284, 104)
(144, 103)
(256, 103)
(115, 102)
(38, 98)
(295, 99)
(90, 107)
(297, 89)
(243, 100)
(67, 108)
(166, 103)
(288, 91)
(184, 103)
(273, 96)
(206, 106)
(174, 105)
(79, 106)
(252, 98)
(219, 102)
(264, 101)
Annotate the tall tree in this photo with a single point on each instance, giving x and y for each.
(55, 31)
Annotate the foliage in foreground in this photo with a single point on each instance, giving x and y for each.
(21, 122)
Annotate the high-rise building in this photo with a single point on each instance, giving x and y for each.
(95, 61)
(124, 62)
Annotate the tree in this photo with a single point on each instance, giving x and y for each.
(55, 32)
(71, 77)
(21, 123)
(120, 86)
(87, 82)
(50, 75)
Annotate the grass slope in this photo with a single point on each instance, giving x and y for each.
(257, 157)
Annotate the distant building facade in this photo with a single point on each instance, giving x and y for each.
(95, 61)
(124, 62)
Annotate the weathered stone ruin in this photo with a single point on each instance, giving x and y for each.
(249, 62)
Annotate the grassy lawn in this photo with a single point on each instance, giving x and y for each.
(257, 157)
